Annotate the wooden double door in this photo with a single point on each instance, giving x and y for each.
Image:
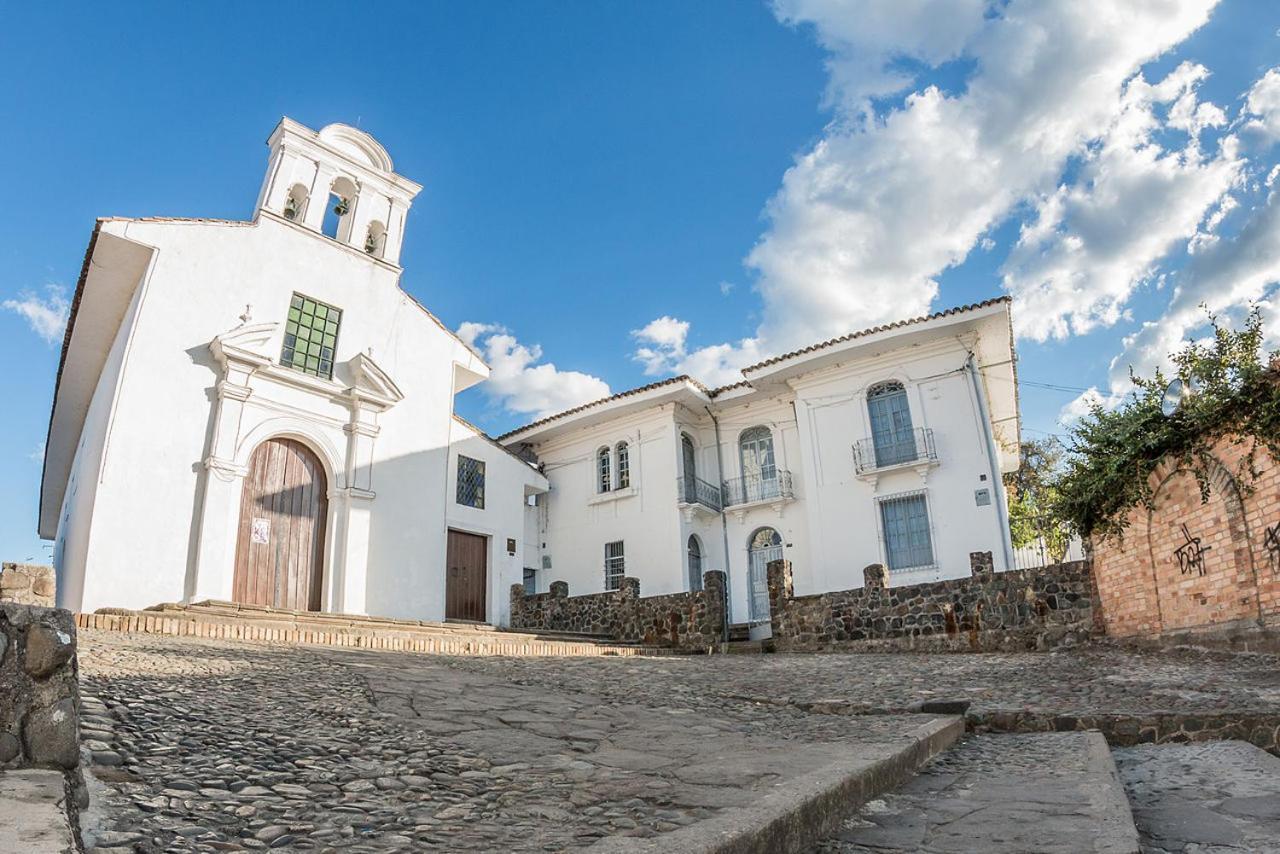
(466, 577)
(280, 545)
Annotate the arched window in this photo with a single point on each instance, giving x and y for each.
(375, 239)
(891, 430)
(695, 563)
(295, 205)
(337, 213)
(624, 465)
(764, 547)
(688, 468)
(759, 471)
(603, 479)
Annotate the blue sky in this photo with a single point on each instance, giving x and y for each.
(727, 178)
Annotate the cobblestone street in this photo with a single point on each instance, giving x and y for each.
(205, 745)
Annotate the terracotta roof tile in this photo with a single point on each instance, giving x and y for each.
(683, 378)
(897, 324)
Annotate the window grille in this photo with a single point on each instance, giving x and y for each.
(602, 470)
(624, 465)
(614, 565)
(311, 336)
(695, 563)
(470, 482)
(907, 540)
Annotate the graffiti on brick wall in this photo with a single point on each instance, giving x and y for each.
(1271, 542)
(1190, 555)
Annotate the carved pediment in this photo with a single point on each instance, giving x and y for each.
(248, 343)
(371, 383)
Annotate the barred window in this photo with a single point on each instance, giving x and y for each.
(624, 465)
(603, 480)
(470, 482)
(311, 336)
(907, 540)
(614, 565)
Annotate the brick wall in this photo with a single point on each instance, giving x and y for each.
(689, 622)
(27, 584)
(1186, 566)
(989, 611)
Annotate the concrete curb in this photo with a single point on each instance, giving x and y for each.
(1116, 832)
(804, 810)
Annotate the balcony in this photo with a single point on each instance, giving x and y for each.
(758, 489)
(696, 495)
(906, 450)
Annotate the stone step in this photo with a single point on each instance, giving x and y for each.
(33, 813)
(1210, 796)
(1052, 793)
(739, 632)
(231, 621)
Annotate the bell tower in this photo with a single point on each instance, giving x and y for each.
(339, 183)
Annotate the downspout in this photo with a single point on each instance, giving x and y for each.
(724, 525)
(997, 485)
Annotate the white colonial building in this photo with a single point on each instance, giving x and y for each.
(256, 411)
(885, 447)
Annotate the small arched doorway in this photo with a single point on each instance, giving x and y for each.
(280, 547)
(764, 547)
(695, 562)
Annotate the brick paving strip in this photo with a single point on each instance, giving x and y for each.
(203, 745)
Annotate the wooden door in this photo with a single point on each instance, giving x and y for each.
(466, 574)
(280, 546)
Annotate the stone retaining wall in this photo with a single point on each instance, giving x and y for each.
(688, 622)
(989, 611)
(39, 692)
(27, 584)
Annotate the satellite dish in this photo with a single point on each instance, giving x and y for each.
(1174, 394)
(1194, 384)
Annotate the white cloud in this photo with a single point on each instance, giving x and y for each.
(1093, 242)
(1080, 407)
(46, 315)
(1263, 105)
(869, 217)
(519, 383)
(662, 344)
(37, 453)
(1225, 277)
(726, 288)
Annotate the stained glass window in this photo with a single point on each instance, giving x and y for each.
(310, 336)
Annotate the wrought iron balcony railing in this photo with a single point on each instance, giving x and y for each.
(871, 455)
(692, 490)
(771, 486)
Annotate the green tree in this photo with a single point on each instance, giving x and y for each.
(1033, 493)
(1112, 453)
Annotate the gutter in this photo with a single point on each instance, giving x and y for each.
(997, 484)
(724, 526)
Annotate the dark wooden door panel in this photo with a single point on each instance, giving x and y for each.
(466, 571)
(280, 544)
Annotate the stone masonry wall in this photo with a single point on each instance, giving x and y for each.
(27, 584)
(689, 622)
(1020, 610)
(1186, 567)
(39, 694)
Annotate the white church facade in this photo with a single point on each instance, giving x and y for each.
(256, 411)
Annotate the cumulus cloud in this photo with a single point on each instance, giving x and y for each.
(1263, 105)
(663, 350)
(895, 193)
(46, 314)
(520, 382)
(1091, 243)
(662, 344)
(1225, 278)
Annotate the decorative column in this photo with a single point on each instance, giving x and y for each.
(219, 511)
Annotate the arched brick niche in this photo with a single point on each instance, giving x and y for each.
(1186, 564)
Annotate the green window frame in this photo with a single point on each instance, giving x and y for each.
(311, 336)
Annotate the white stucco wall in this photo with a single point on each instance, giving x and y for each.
(148, 507)
(507, 483)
